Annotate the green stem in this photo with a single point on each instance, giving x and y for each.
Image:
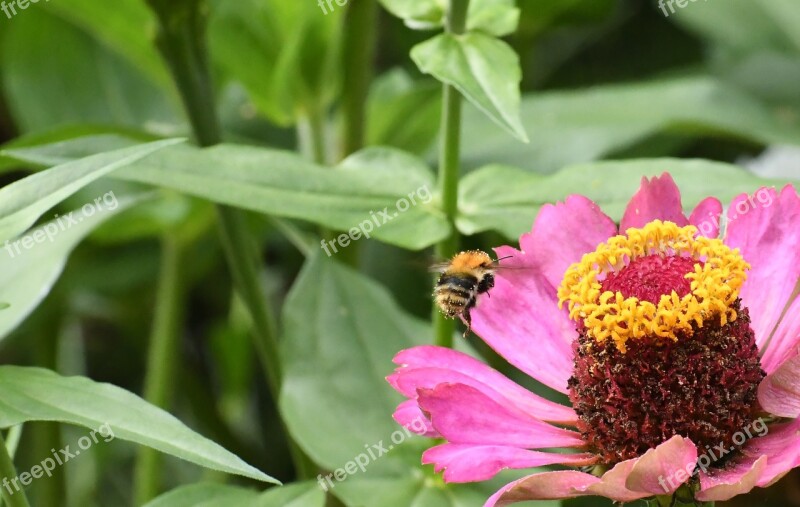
(47, 435)
(181, 40)
(14, 498)
(311, 135)
(241, 254)
(358, 53)
(449, 167)
(162, 363)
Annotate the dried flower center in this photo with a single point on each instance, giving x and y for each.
(681, 358)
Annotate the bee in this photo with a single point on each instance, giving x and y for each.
(467, 275)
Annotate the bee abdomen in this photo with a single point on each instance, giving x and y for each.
(462, 281)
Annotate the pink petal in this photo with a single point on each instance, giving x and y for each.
(543, 486)
(764, 460)
(472, 463)
(464, 415)
(411, 417)
(663, 470)
(628, 481)
(766, 227)
(785, 341)
(726, 484)
(428, 366)
(779, 392)
(612, 484)
(521, 322)
(657, 199)
(563, 233)
(706, 217)
(519, 318)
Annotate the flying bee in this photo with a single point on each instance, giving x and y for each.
(467, 275)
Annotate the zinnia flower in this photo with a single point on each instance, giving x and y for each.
(678, 351)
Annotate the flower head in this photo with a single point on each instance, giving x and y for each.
(674, 347)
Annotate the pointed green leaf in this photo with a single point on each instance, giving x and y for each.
(507, 200)
(341, 332)
(495, 17)
(391, 188)
(31, 264)
(583, 125)
(24, 201)
(304, 494)
(484, 69)
(35, 394)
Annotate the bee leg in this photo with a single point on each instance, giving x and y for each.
(467, 319)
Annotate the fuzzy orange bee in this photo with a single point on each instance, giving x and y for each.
(467, 275)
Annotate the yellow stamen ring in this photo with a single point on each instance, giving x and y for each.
(715, 285)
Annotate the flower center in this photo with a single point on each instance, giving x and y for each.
(664, 346)
(649, 278)
(601, 290)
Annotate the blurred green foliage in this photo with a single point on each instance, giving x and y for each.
(563, 96)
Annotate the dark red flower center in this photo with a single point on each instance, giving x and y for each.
(649, 278)
(701, 385)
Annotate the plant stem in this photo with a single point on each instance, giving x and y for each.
(47, 435)
(7, 470)
(163, 360)
(181, 40)
(358, 53)
(449, 167)
(311, 135)
(242, 258)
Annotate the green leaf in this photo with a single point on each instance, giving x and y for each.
(417, 14)
(65, 133)
(416, 486)
(24, 201)
(372, 185)
(35, 394)
(484, 69)
(393, 95)
(95, 85)
(495, 17)
(755, 44)
(305, 494)
(341, 331)
(31, 264)
(284, 52)
(507, 199)
(498, 198)
(122, 26)
(585, 125)
(744, 25)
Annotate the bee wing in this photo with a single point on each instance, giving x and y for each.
(439, 267)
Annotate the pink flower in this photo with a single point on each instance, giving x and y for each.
(678, 352)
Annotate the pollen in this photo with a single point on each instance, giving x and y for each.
(661, 281)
